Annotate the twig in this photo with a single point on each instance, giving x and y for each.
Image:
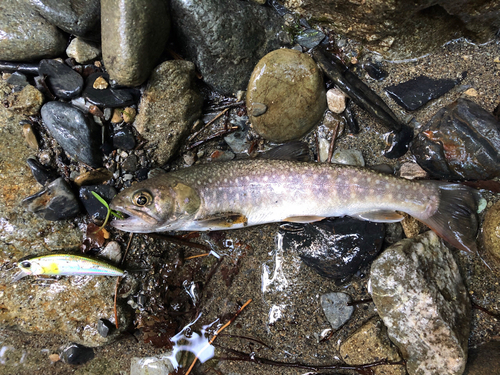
(179, 241)
(193, 136)
(197, 256)
(485, 310)
(119, 279)
(230, 105)
(218, 134)
(216, 333)
(332, 143)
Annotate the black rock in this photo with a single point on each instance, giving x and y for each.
(123, 138)
(63, 81)
(77, 134)
(310, 38)
(55, 202)
(76, 354)
(335, 248)
(130, 163)
(95, 208)
(142, 174)
(108, 97)
(461, 142)
(42, 175)
(415, 93)
(375, 71)
(226, 38)
(77, 17)
(17, 79)
(105, 327)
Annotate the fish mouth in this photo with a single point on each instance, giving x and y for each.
(136, 222)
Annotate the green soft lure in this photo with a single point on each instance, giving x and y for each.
(65, 265)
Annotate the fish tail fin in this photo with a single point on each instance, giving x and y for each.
(456, 219)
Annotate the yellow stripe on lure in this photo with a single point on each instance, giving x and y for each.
(65, 265)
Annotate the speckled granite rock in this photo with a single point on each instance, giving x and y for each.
(26, 35)
(168, 108)
(131, 52)
(419, 293)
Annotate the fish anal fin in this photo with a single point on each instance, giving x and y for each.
(304, 219)
(223, 220)
(381, 216)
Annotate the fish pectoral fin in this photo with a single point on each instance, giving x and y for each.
(304, 219)
(379, 216)
(223, 220)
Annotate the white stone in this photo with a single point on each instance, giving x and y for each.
(336, 100)
(82, 51)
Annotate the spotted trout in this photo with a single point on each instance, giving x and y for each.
(236, 194)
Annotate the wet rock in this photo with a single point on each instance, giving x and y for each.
(18, 80)
(168, 108)
(27, 101)
(491, 230)
(131, 53)
(225, 39)
(290, 85)
(419, 293)
(375, 71)
(94, 208)
(77, 134)
(26, 35)
(123, 138)
(336, 100)
(76, 354)
(460, 142)
(55, 202)
(309, 38)
(42, 175)
(83, 51)
(348, 157)
(336, 309)
(77, 17)
(63, 81)
(370, 343)
(108, 97)
(93, 177)
(335, 248)
(131, 163)
(412, 171)
(415, 93)
(484, 359)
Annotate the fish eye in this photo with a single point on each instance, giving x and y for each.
(142, 198)
(25, 264)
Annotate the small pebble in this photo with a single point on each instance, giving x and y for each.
(112, 252)
(76, 354)
(27, 101)
(130, 164)
(30, 136)
(336, 309)
(335, 100)
(348, 157)
(129, 115)
(100, 83)
(117, 116)
(83, 51)
(94, 177)
(54, 357)
(411, 171)
(471, 92)
(63, 81)
(123, 138)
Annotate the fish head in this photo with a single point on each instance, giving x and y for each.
(28, 267)
(158, 204)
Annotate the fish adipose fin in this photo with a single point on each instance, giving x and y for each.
(223, 220)
(379, 216)
(455, 220)
(304, 219)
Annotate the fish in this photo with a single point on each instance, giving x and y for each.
(65, 265)
(242, 193)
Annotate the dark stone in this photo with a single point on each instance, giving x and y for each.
(17, 79)
(76, 354)
(335, 248)
(55, 202)
(461, 141)
(130, 163)
(77, 17)
(77, 134)
(226, 38)
(131, 52)
(63, 81)
(108, 97)
(484, 359)
(375, 71)
(42, 175)
(309, 38)
(105, 327)
(123, 138)
(95, 208)
(417, 92)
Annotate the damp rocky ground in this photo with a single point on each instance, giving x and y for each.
(170, 304)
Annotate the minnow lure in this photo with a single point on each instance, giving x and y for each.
(65, 265)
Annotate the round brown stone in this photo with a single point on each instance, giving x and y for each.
(289, 85)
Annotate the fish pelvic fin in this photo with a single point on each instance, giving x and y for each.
(456, 219)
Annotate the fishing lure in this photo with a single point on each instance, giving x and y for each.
(65, 265)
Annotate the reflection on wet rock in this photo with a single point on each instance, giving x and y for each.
(462, 141)
(290, 86)
(76, 354)
(335, 248)
(415, 93)
(76, 133)
(370, 343)
(419, 293)
(95, 208)
(336, 309)
(491, 230)
(63, 81)
(55, 202)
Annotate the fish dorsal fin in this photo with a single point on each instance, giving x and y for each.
(222, 220)
(381, 216)
(304, 219)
